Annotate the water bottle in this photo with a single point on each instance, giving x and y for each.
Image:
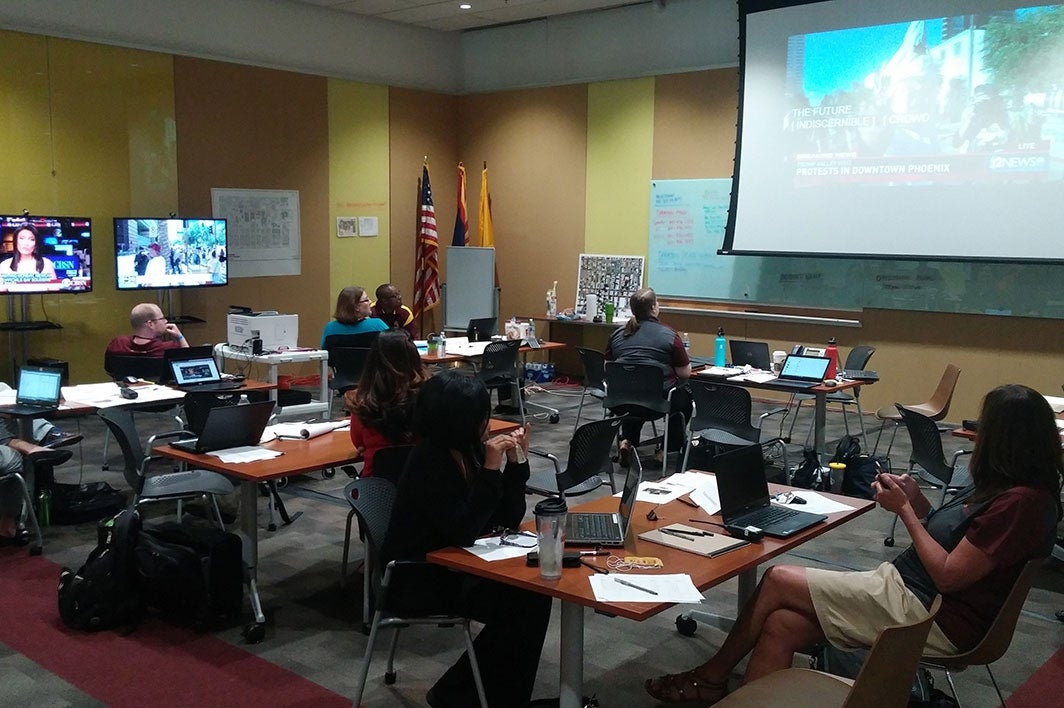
(44, 507)
(832, 353)
(719, 356)
(442, 346)
(531, 329)
(243, 400)
(686, 342)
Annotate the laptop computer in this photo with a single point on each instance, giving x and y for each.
(800, 371)
(858, 375)
(182, 354)
(200, 375)
(229, 426)
(605, 529)
(480, 329)
(39, 389)
(754, 354)
(744, 498)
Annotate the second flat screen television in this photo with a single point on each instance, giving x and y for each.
(170, 253)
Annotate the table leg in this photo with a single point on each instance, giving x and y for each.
(249, 527)
(819, 420)
(747, 585)
(571, 684)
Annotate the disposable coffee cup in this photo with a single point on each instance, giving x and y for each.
(777, 360)
(591, 305)
(550, 535)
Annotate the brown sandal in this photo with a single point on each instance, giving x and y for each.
(687, 687)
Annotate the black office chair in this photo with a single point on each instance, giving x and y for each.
(721, 422)
(594, 363)
(928, 455)
(498, 369)
(372, 500)
(481, 329)
(857, 359)
(638, 392)
(589, 459)
(147, 368)
(347, 358)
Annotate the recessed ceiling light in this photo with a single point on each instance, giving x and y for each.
(465, 6)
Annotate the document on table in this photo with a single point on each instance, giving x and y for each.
(707, 496)
(1056, 403)
(815, 503)
(105, 395)
(670, 488)
(305, 431)
(245, 453)
(720, 371)
(754, 377)
(492, 549)
(616, 587)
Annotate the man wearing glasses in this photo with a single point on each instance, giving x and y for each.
(390, 310)
(152, 333)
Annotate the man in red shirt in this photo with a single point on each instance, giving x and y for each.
(152, 333)
(390, 308)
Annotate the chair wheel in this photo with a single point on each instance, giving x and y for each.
(271, 527)
(554, 418)
(254, 632)
(686, 625)
(282, 482)
(389, 678)
(328, 473)
(365, 629)
(888, 542)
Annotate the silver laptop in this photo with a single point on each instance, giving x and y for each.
(200, 375)
(744, 499)
(39, 389)
(229, 426)
(605, 529)
(800, 371)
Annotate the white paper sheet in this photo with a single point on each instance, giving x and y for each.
(668, 588)
(105, 395)
(245, 453)
(490, 549)
(707, 496)
(815, 503)
(1056, 403)
(754, 377)
(719, 371)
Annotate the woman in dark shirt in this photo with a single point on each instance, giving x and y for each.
(970, 551)
(454, 490)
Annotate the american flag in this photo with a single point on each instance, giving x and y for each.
(461, 222)
(427, 263)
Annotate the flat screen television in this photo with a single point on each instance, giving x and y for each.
(45, 254)
(170, 253)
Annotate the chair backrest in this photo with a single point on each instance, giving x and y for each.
(998, 637)
(589, 452)
(499, 360)
(886, 677)
(635, 389)
(927, 444)
(347, 364)
(140, 365)
(390, 462)
(119, 420)
(722, 407)
(372, 499)
(198, 404)
(594, 363)
(364, 340)
(858, 357)
(938, 406)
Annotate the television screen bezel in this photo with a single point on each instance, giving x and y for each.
(180, 286)
(33, 219)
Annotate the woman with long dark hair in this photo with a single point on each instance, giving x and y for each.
(970, 551)
(455, 489)
(382, 405)
(27, 258)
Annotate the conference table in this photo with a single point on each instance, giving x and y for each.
(460, 349)
(297, 456)
(574, 589)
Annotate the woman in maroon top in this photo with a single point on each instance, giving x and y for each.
(382, 404)
(970, 551)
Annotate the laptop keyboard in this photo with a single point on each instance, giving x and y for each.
(764, 518)
(595, 526)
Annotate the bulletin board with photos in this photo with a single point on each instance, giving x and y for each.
(611, 278)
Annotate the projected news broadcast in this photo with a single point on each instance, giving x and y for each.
(45, 254)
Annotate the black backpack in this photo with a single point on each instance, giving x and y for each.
(848, 451)
(103, 594)
(809, 475)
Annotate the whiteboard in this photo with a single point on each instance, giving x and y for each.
(263, 230)
(470, 288)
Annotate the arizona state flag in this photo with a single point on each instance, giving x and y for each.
(485, 229)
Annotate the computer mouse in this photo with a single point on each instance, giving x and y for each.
(831, 383)
(128, 393)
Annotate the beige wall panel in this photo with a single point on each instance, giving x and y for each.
(694, 124)
(250, 128)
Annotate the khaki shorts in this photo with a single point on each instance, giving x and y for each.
(853, 607)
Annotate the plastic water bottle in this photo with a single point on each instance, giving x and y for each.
(531, 329)
(832, 353)
(686, 341)
(44, 507)
(719, 356)
(243, 400)
(442, 346)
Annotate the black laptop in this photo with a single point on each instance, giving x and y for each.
(604, 529)
(182, 354)
(197, 375)
(744, 498)
(229, 426)
(39, 389)
(800, 371)
(753, 354)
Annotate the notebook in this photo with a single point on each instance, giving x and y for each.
(754, 354)
(200, 375)
(744, 498)
(801, 371)
(229, 426)
(38, 391)
(182, 353)
(604, 529)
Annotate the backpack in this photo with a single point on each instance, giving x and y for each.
(103, 594)
(192, 574)
(848, 450)
(859, 474)
(809, 475)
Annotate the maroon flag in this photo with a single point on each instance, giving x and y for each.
(427, 262)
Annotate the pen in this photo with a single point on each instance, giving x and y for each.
(594, 567)
(688, 502)
(596, 552)
(677, 534)
(686, 532)
(633, 585)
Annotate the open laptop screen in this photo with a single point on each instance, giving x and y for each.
(806, 368)
(741, 481)
(194, 371)
(39, 385)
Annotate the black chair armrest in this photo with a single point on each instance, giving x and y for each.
(549, 456)
(774, 411)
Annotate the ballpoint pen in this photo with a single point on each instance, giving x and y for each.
(633, 585)
(677, 534)
(688, 532)
(688, 502)
(594, 567)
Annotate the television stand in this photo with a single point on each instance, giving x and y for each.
(185, 319)
(168, 307)
(19, 327)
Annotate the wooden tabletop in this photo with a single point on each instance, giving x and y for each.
(573, 586)
(450, 357)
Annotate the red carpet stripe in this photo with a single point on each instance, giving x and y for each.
(1036, 692)
(158, 664)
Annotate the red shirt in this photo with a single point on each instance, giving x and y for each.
(126, 345)
(371, 440)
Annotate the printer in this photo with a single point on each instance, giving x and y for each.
(275, 332)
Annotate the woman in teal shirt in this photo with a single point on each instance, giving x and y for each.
(352, 315)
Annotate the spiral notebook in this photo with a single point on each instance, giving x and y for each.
(709, 546)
